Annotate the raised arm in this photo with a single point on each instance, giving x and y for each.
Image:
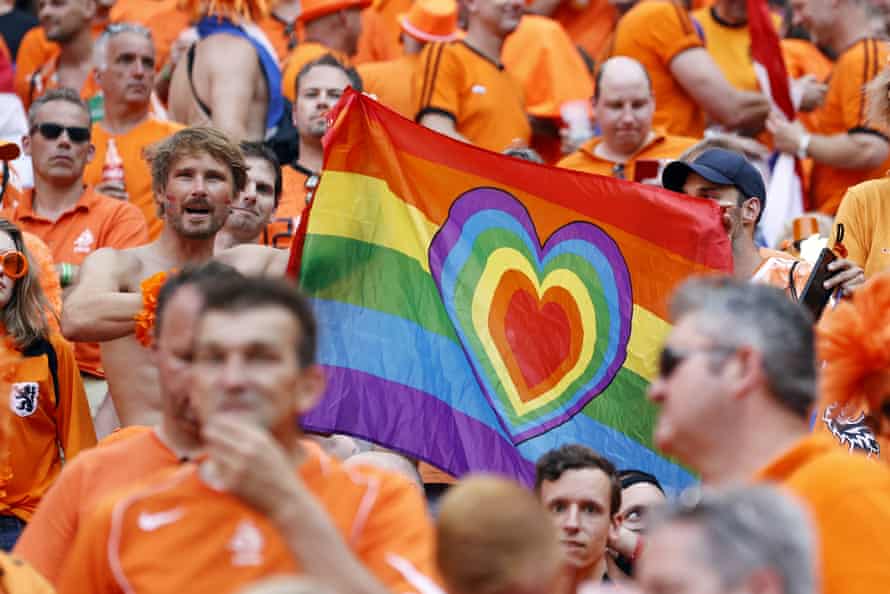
(97, 309)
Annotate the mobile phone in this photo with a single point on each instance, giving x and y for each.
(815, 296)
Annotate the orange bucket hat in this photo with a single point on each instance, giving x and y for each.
(312, 9)
(431, 20)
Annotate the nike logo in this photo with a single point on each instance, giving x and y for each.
(151, 522)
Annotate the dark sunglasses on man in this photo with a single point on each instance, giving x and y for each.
(50, 131)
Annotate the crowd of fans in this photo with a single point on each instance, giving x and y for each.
(157, 157)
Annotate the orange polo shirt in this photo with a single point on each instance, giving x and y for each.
(588, 22)
(137, 173)
(304, 53)
(844, 111)
(49, 536)
(379, 39)
(96, 221)
(381, 517)
(46, 417)
(654, 33)
(390, 82)
(485, 101)
(848, 496)
(17, 577)
(662, 150)
(280, 232)
(541, 55)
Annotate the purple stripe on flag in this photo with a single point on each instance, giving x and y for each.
(414, 423)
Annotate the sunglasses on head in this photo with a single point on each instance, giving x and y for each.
(14, 264)
(671, 357)
(52, 131)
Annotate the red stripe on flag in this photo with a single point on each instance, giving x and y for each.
(766, 50)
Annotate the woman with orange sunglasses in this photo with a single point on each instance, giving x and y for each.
(48, 417)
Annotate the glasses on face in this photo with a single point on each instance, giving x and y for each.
(14, 264)
(671, 358)
(52, 131)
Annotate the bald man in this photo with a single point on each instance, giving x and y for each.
(483, 545)
(629, 147)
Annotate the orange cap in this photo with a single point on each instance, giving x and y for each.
(431, 20)
(312, 9)
(804, 226)
(9, 151)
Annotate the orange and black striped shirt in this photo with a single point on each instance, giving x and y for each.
(486, 103)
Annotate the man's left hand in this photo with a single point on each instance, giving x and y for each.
(846, 275)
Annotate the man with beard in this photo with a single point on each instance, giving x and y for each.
(196, 174)
(70, 64)
(735, 184)
(125, 69)
(629, 148)
(461, 87)
(319, 85)
(50, 534)
(255, 205)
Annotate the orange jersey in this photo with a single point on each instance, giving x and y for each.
(485, 101)
(379, 39)
(380, 516)
(280, 232)
(540, 54)
(802, 58)
(588, 22)
(17, 577)
(865, 215)
(654, 33)
(50, 412)
(138, 11)
(391, 83)
(34, 50)
(304, 53)
(46, 77)
(661, 150)
(128, 460)
(848, 497)
(779, 269)
(96, 221)
(137, 173)
(844, 111)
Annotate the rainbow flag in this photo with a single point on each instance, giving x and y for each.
(476, 310)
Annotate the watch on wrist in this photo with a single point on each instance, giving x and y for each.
(803, 145)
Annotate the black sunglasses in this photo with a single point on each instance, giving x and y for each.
(51, 131)
(671, 357)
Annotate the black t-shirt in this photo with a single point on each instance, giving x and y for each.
(13, 26)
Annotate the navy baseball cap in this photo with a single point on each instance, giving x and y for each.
(718, 166)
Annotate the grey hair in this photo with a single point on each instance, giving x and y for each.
(747, 529)
(735, 313)
(60, 94)
(100, 46)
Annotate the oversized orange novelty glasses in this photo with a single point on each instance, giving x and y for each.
(14, 264)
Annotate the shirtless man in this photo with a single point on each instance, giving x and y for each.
(229, 79)
(196, 174)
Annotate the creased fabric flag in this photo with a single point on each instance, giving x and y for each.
(784, 196)
(476, 311)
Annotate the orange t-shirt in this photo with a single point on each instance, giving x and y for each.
(165, 27)
(17, 577)
(662, 150)
(137, 173)
(381, 516)
(848, 496)
(280, 232)
(654, 33)
(588, 22)
(304, 53)
(776, 269)
(865, 215)
(485, 101)
(379, 39)
(844, 111)
(45, 77)
(96, 221)
(138, 11)
(49, 536)
(47, 416)
(540, 54)
(390, 82)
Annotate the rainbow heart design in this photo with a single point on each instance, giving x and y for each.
(545, 326)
